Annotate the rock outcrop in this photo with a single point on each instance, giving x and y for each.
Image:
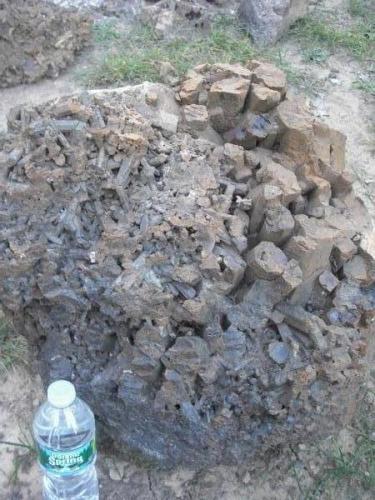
(267, 20)
(202, 271)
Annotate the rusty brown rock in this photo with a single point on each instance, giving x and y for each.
(190, 89)
(222, 71)
(267, 74)
(196, 116)
(263, 99)
(277, 175)
(227, 98)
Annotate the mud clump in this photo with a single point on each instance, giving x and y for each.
(38, 39)
(202, 271)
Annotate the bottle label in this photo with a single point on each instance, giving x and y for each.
(67, 461)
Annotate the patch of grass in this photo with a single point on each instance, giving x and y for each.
(13, 347)
(351, 473)
(136, 55)
(105, 31)
(358, 39)
(361, 8)
(26, 452)
(366, 85)
(315, 54)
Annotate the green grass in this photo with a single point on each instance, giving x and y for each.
(105, 31)
(13, 347)
(357, 38)
(135, 56)
(348, 473)
(25, 453)
(366, 85)
(361, 8)
(315, 54)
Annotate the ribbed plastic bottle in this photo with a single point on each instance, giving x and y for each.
(64, 433)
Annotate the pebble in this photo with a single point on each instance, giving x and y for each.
(278, 351)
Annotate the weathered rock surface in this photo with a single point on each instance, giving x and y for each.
(194, 288)
(267, 20)
(38, 40)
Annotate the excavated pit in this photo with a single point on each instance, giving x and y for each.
(211, 300)
(38, 39)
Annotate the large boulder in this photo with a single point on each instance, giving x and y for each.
(267, 20)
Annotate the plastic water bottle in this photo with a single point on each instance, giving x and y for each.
(64, 432)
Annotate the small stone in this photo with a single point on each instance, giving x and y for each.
(346, 441)
(278, 225)
(164, 22)
(319, 199)
(116, 469)
(167, 122)
(292, 277)
(196, 116)
(230, 95)
(267, 20)
(158, 160)
(277, 175)
(296, 126)
(230, 71)
(269, 75)
(60, 160)
(187, 355)
(253, 130)
(168, 73)
(262, 99)
(277, 317)
(356, 269)
(343, 250)
(279, 352)
(246, 478)
(311, 325)
(151, 98)
(203, 97)
(263, 197)
(190, 90)
(266, 261)
(235, 154)
(328, 281)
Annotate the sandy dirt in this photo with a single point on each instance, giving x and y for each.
(336, 103)
(20, 395)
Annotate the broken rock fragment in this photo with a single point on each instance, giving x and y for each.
(278, 225)
(266, 261)
(196, 116)
(226, 99)
(190, 89)
(187, 355)
(263, 99)
(267, 74)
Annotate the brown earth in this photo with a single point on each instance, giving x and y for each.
(38, 40)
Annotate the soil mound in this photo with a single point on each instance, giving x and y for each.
(38, 39)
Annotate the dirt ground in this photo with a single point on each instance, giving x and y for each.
(287, 475)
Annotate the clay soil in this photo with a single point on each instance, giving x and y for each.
(38, 40)
(288, 473)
